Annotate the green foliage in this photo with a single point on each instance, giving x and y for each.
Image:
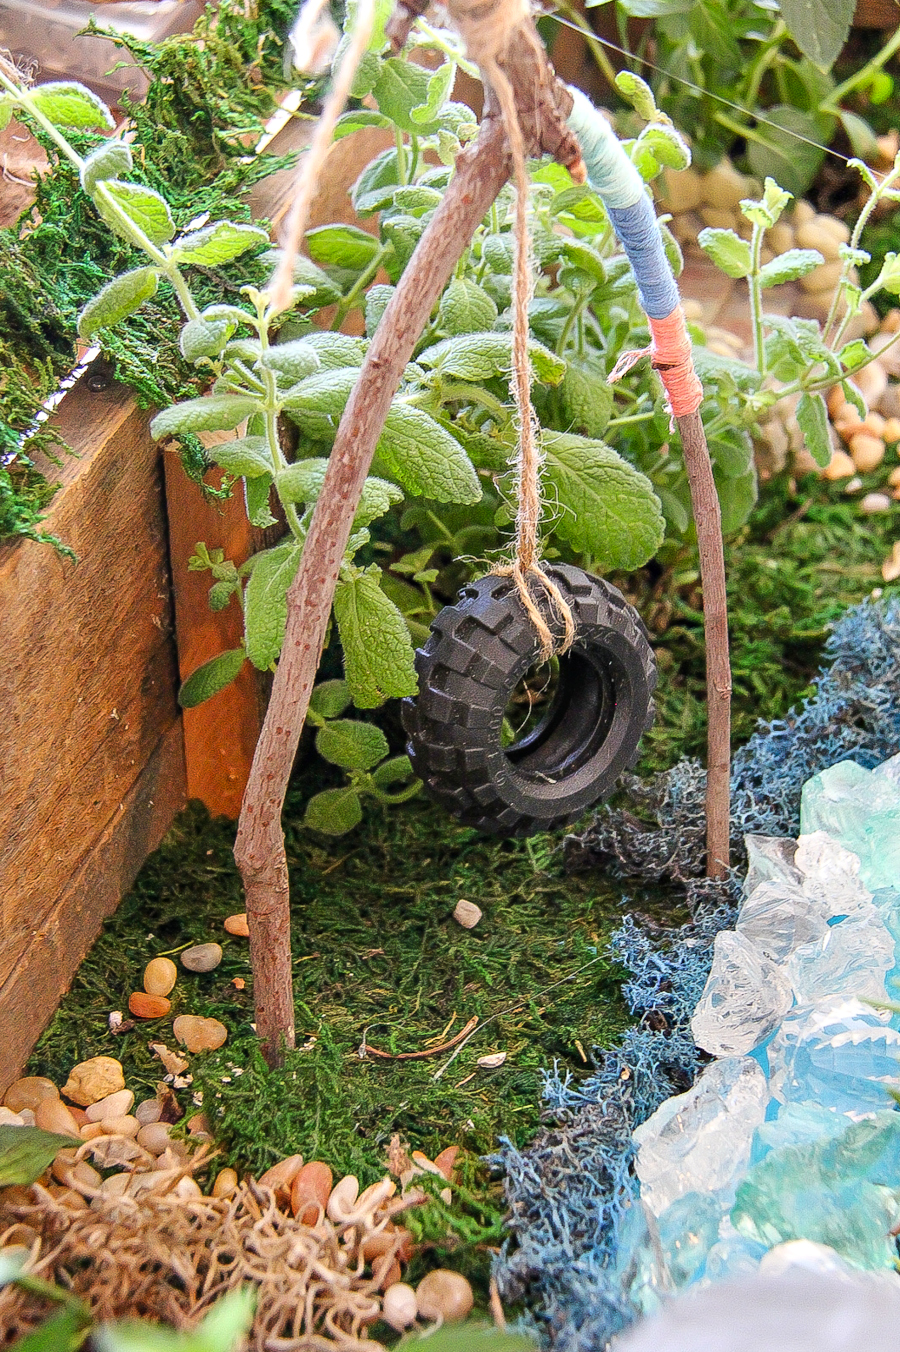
(25, 1152)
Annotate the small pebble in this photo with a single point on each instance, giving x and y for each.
(891, 431)
(444, 1295)
(867, 451)
(125, 1125)
(492, 1060)
(27, 1117)
(187, 1189)
(154, 1137)
(875, 502)
(225, 1184)
(281, 1176)
(310, 1192)
(467, 913)
(10, 1119)
(198, 1125)
(94, 1079)
(202, 957)
(160, 976)
(198, 1034)
(237, 924)
(148, 1111)
(343, 1198)
(840, 466)
(91, 1130)
(446, 1160)
(144, 1006)
(51, 1114)
(29, 1092)
(82, 1177)
(114, 1105)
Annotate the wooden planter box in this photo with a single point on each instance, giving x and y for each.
(97, 758)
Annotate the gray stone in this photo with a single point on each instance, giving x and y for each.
(202, 957)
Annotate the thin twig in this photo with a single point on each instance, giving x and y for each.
(366, 1050)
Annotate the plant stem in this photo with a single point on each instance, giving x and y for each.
(594, 45)
(756, 312)
(862, 76)
(352, 297)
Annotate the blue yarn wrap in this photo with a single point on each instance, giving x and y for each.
(612, 175)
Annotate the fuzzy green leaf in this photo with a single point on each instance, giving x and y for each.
(410, 95)
(218, 243)
(378, 655)
(6, 111)
(378, 298)
(25, 1153)
(638, 93)
(108, 160)
(819, 27)
(143, 207)
(329, 699)
(71, 105)
(256, 499)
(786, 146)
(62, 1332)
(212, 677)
(246, 456)
(608, 508)
(294, 361)
(335, 350)
(214, 413)
(812, 419)
(265, 602)
(587, 396)
(317, 402)
(787, 267)
(727, 250)
(334, 812)
(423, 456)
(480, 356)
(466, 308)
(223, 1329)
(118, 299)
(341, 246)
(352, 746)
(855, 354)
(889, 277)
(204, 338)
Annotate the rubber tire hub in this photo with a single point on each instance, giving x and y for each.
(478, 652)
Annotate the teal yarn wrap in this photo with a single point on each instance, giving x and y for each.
(609, 169)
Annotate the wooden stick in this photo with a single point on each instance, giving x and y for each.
(708, 520)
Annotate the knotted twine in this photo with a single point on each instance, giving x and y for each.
(487, 30)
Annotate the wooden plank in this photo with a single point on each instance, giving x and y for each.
(58, 943)
(88, 670)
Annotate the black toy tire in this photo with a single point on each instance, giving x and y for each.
(478, 652)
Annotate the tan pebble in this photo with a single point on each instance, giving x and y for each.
(871, 381)
(51, 1114)
(890, 569)
(492, 1060)
(874, 423)
(399, 1307)
(811, 235)
(237, 924)
(198, 1125)
(94, 1079)
(225, 1184)
(154, 1137)
(838, 230)
(160, 976)
(853, 485)
(446, 1160)
(836, 401)
(281, 1176)
(148, 1111)
(839, 467)
(239, 983)
(91, 1130)
(144, 1006)
(867, 451)
(187, 1189)
(724, 186)
(10, 1119)
(27, 1117)
(69, 1198)
(467, 913)
(873, 503)
(29, 1092)
(891, 322)
(823, 278)
(444, 1295)
(202, 957)
(802, 212)
(343, 1198)
(693, 310)
(891, 431)
(81, 1177)
(198, 1034)
(681, 190)
(174, 1156)
(781, 237)
(382, 1242)
(390, 1277)
(310, 1191)
(112, 1152)
(718, 218)
(115, 1186)
(125, 1125)
(375, 1195)
(114, 1105)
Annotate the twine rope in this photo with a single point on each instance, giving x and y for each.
(309, 170)
(486, 32)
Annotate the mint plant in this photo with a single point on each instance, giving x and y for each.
(800, 356)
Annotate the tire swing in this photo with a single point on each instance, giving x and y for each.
(536, 687)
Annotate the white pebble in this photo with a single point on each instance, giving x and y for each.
(399, 1307)
(467, 913)
(875, 502)
(114, 1105)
